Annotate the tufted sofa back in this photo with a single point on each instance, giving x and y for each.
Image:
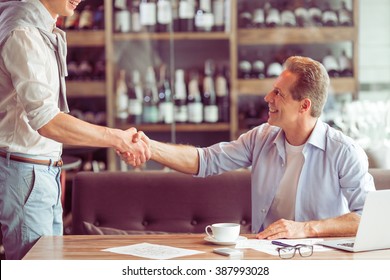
(158, 202)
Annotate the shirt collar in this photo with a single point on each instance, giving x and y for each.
(48, 21)
(316, 138)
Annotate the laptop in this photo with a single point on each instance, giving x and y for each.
(374, 228)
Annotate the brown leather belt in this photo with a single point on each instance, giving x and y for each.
(58, 163)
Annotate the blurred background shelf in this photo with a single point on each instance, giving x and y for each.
(85, 89)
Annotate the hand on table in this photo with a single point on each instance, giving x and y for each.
(283, 229)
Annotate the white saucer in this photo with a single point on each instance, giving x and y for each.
(214, 241)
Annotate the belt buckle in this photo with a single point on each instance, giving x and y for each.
(59, 163)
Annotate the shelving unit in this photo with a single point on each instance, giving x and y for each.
(86, 89)
(176, 39)
(234, 39)
(282, 36)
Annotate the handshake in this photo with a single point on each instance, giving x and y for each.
(135, 149)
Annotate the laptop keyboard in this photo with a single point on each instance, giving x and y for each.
(349, 244)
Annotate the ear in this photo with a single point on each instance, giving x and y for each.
(305, 105)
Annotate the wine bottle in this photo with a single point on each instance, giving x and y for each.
(244, 15)
(274, 68)
(98, 18)
(329, 16)
(228, 16)
(150, 109)
(73, 71)
(165, 105)
(86, 18)
(204, 18)
(148, 16)
(302, 14)
(315, 13)
(273, 16)
(331, 65)
(99, 70)
(219, 13)
(85, 69)
(194, 100)
(258, 20)
(180, 97)
(135, 17)
(135, 96)
(72, 66)
(258, 67)
(252, 115)
(345, 65)
(121, 97)
(244, 66)
(186, 15)
(209, 95)
(164, 15)
(222, 92)
(122, 17)
(345, 15)
(72, 22)
(175, 16)
(287, 16)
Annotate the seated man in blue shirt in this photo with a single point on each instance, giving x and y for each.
(308, 179)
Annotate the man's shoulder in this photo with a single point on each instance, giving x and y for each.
(336, 134)
(336, 137)
(264, 133)
(266, 129)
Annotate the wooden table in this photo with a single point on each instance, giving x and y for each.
(89, 247)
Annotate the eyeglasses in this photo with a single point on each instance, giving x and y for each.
(288, 251)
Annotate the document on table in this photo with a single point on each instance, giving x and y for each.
(152, 251)
(267, 247)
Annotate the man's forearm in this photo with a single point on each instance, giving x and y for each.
(345, 225)
(178, 157)
(69, 130)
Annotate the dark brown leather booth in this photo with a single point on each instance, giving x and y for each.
(158, 202)
(165, 202)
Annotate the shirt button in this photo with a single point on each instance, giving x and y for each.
(263, 210)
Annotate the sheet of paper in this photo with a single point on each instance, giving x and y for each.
(153, 251)
(267, 247)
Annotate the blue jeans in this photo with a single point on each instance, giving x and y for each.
(30, 205)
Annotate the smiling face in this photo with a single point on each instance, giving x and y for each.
(60, 7)
(283, 109)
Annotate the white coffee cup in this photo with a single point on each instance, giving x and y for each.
(223, 232)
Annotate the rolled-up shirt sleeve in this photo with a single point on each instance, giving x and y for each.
(227, 156)
(33, 70)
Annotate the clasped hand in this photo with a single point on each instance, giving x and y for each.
(138, 150)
